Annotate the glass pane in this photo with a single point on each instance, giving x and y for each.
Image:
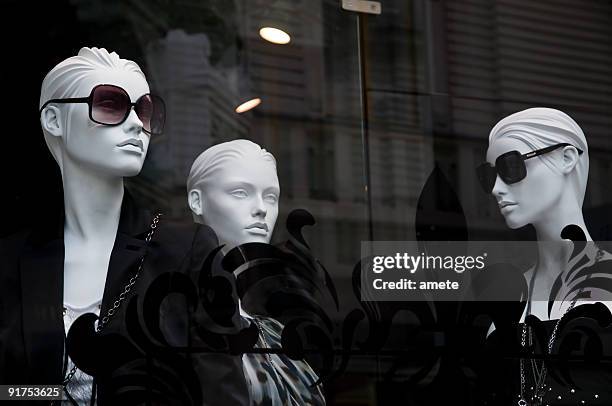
(433, 78)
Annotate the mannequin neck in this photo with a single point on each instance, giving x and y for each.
(554, 220)
(92, 203)
(553, 258)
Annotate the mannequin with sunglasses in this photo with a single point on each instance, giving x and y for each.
(536, 169)
(96, 141)
(98, 117)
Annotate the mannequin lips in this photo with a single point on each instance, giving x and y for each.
(258, 228)
(135, 142)
(506, 206)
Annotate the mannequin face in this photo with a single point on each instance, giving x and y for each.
(532, 199)
(105, 149)
(241, 203)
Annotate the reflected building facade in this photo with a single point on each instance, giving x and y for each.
(438, 76)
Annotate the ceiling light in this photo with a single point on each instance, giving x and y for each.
(274, 35)
(248, 105)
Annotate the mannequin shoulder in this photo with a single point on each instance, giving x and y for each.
(175, 242)
(174, 232)
(185, 235)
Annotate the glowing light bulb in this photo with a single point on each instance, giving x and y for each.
(274, 35)
(248, 105)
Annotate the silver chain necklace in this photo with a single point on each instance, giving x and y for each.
(117, 303)
(539, 389)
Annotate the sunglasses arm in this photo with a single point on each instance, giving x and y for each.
(549, 149)
(64, 101)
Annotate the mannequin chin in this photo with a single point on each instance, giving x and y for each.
(240, 201)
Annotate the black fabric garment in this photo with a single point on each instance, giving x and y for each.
(31, 302)
(581, 373)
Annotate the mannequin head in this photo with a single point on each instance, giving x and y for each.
(556, 181)
(72, 137)
(233, 188)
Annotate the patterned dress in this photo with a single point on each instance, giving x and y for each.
(275, 379)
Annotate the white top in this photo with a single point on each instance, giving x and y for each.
(80, 385)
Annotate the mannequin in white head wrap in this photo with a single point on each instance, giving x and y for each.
(550, 197)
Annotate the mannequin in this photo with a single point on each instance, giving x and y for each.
(233, 188)
(93, 159)
(537, 168)
(97, 116)
(550, 196)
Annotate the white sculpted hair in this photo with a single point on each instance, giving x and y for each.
(65, 78)
(541, 127)
(209, 162)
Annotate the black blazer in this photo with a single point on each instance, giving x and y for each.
(31, 300)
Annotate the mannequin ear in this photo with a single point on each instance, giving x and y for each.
(570, 159)
(195, 201)
(51, 121)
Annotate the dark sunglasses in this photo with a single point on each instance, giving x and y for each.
(111, 105)
(510, 167)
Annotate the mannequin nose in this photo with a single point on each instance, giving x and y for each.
(132, 123)
(500, 188)
(259, 210)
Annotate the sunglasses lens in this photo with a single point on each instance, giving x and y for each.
(486, 177)
(152, 112)
(109, 104)
(511, 167)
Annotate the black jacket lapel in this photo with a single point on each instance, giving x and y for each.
(129, 248)
(124, 261)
